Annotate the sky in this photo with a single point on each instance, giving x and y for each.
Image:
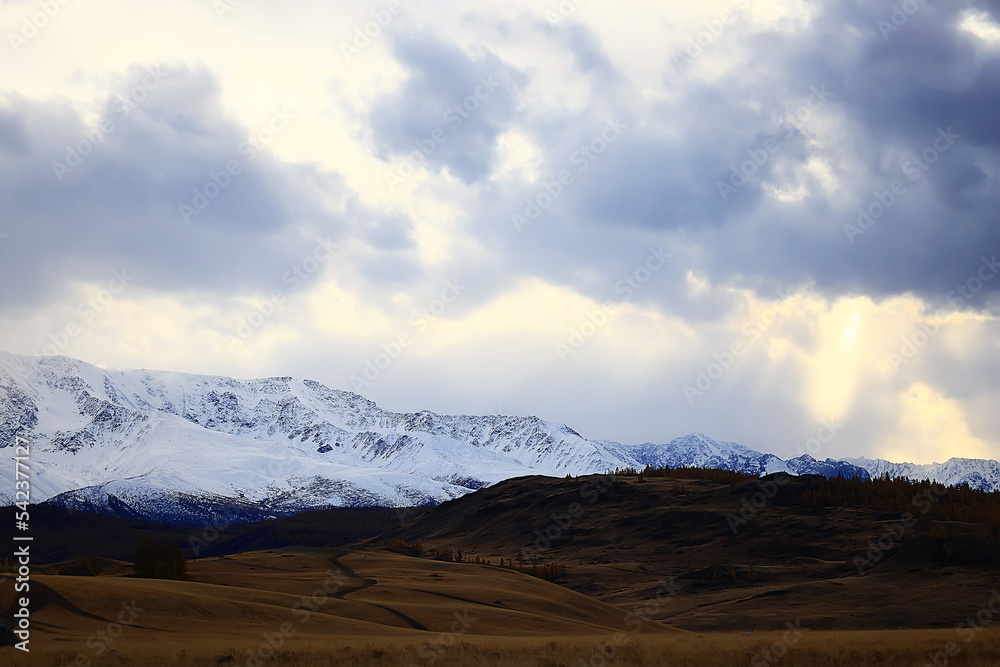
(762, 220)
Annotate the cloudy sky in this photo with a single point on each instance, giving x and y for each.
(748, 219)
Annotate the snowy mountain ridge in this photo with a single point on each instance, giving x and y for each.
(178, 447)
(977, 473)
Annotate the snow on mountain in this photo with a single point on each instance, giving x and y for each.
(807, 465)
(977, 473)
(153, 443)
(700, 450)
(181, 447)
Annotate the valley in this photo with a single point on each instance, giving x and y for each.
(635, 570)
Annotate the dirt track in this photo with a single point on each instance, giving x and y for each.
(334, 561)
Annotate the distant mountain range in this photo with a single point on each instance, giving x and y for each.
(181, 448)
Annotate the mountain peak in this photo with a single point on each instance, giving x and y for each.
(124, 441)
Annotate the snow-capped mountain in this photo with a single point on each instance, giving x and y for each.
(699, 450)
(977, 473)
(180, 447)
(160, 444)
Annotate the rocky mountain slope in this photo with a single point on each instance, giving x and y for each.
(179, 447)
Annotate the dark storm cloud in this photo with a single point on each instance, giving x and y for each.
(921, 104)
(163, 184)
(450, 110)
(591, 59)
(12, 138)
(915, 106)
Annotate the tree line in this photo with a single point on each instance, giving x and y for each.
(530, 566)
(159, 560)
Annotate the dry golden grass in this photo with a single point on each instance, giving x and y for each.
(881, 648)
(244, 607)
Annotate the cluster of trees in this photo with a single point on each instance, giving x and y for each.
(730, 575)
(710, 474)
(882, 494)
(407, 549)
(340, 525)
(450, 555)
(547, 571)
(899, 495)
(533, 566)
(159, 560)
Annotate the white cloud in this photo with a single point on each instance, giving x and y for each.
(827, 353)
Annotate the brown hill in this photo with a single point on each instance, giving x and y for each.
(61, 534)
(762, 571)
(742, 555)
